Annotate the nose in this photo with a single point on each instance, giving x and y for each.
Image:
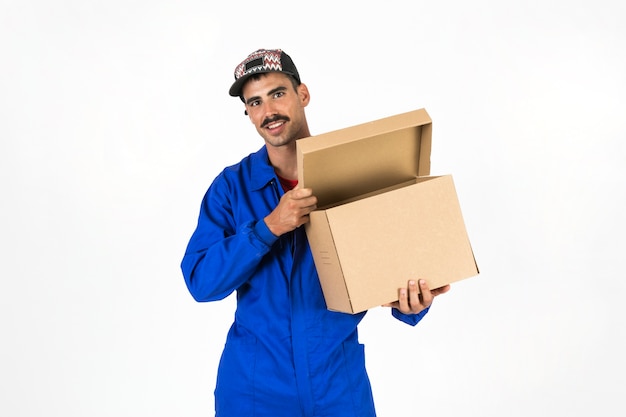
(269, 109)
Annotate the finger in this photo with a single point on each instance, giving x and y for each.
(303, 212)
(403, 301)
(427, 296)
(309, 203)
(300, 193)
(414, 296)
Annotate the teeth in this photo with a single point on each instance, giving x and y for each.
(274, 125)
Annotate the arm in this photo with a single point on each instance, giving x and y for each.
(224, 253)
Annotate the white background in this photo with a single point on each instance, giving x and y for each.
(115, 117)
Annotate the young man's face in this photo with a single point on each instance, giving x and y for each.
(276, 109)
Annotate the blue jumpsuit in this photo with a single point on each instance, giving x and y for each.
(286, 354)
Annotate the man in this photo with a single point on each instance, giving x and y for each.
(286, 354)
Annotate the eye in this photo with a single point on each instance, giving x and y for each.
(279, 94)
(254, 103)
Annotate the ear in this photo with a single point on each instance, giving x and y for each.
(303, 93)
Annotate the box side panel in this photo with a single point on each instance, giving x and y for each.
(327, 263)
(410, 233)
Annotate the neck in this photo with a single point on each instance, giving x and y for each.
(284, 160)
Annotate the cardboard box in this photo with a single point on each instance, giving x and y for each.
(381, 218)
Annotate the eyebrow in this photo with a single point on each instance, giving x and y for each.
(269, 93)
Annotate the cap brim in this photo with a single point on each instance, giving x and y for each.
(235, 89)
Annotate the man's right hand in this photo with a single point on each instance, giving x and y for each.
(292, 211)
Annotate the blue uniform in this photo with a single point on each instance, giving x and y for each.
(286, 354)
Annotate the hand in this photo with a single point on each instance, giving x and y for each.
(292, 211)
(412, 301)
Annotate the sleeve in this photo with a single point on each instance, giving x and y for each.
(410, 319)
(222, 255)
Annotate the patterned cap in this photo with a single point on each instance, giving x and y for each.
(259, 62)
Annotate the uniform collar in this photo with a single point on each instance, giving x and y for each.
(262, 171)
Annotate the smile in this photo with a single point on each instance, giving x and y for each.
(274, 122)
(275, 125)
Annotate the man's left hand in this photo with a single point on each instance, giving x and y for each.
(413, 301)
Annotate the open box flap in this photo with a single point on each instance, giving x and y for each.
(349, 162)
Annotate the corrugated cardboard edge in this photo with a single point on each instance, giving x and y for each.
(328, 264)
(425, 150)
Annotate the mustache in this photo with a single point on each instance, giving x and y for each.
(274, 119)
